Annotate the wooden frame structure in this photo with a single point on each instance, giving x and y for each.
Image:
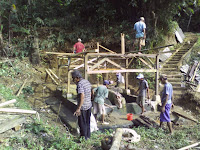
(93, 62)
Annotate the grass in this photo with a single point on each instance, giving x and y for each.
(160, 139)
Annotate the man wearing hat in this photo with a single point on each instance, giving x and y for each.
(100, 94)
(166, 100)
(83, 111)
(78, 47)
(140, 36)
(143, 89)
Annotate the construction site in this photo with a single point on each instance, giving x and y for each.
(55, 93)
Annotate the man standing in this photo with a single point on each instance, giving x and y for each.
(78, 47)
(83, 111)
(166, 100)
(143, 89)
(140, 28)
(101, 93)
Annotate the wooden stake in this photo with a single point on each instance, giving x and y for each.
(18, 93)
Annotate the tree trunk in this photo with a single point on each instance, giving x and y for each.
(35, 55)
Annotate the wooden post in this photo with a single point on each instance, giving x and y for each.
(86, 66)
(68, 80)
(122, 43)
(98, 46)
(126, 75)
(157, 73)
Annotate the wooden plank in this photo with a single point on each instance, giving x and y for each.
(121, 71)
(184, 116)
(18, 93)
(98, 63)
(22, 111)
(56, 53)
(8, 103)
(189, 146)
(142, 60)
(51, 76)
(82, 65)
(107, 49)
(122, 55)
(11, 124)
(115, 64)
(117, 139)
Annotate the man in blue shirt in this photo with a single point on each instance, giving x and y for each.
(140, 28)
(101, 93)
(166, 100)
(83, 111)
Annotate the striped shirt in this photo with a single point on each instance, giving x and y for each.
(84, 87)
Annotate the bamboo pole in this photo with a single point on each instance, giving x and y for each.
(7, 103)
(51, 76)
(189, 146)
(12, 110)
(122, 44)
(107, 49)
(18, 93)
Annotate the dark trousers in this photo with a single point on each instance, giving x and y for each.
(84, 123)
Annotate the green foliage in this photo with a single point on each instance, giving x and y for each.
(49, 137)
(28, 90)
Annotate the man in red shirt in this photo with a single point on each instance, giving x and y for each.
(78, 47)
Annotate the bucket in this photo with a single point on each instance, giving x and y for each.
(129, 116)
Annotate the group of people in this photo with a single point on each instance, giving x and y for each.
(85, 95)
(166, 98)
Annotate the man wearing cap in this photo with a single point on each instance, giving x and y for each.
(140, 36)
(143, 89)
(83, 111)
(78, 47)
(166, 100)
(100, 94)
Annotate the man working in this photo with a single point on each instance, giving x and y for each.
(101, 93)
(143, 88)
(140, 28)
(83, 111)
(78, 47)
(166, 100)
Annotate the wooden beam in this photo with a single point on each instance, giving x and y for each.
(115, 64)
(7, 103)
(121, 55)
(98, 63)
(11, 123)
(22, 111)
(157, 75)
(125, 70)
(82, 65)
(117, 139)
(184, 116)
(51, 76)
(122, 44)
(142, 60)
(189, 146)
(56, 53)
(107, 49)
